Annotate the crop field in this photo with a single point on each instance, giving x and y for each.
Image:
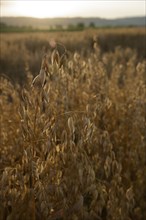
(73, 125)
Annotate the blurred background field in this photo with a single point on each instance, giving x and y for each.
(24, 50)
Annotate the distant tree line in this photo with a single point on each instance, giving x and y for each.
(71, 27)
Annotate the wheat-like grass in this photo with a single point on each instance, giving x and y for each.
(73, 138)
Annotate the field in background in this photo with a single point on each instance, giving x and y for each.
(73, 143)
(20, 51)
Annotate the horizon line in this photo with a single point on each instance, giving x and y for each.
(60, 17)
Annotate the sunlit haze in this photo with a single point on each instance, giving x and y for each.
(46, 9)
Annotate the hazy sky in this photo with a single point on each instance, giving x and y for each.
(69, 8)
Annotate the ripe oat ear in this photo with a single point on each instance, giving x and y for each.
(44, 64)
(40, 80)
(55, 57)
(58, 54)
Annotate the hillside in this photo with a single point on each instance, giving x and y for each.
(51, 22)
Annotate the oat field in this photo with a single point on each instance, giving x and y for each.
(73, 126)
